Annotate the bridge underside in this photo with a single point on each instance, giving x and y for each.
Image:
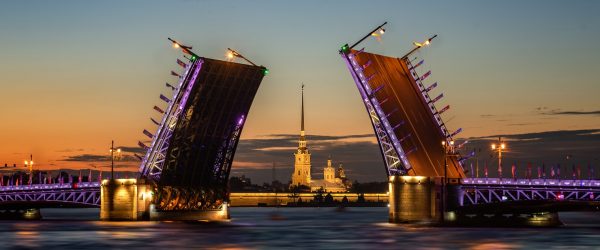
(205, 134)
(404, 118)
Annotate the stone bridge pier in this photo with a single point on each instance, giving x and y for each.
(125, 199)
(421, 199)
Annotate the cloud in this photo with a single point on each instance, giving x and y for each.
(547, 111)
(559, 135)
(69, 150)
(134, 149)
(595, 112)
(86, 158)
(522, 124)
(252, 165)
(98, 158)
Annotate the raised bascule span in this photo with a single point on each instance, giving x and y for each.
(407, 124)
(190, 157)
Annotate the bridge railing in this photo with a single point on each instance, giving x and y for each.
(531, 182)
(54, 186)
(492, 190)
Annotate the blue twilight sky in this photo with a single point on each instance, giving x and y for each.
(76, 74)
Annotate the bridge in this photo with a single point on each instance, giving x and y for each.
(427, 179)
(185, 171)
(84, 194)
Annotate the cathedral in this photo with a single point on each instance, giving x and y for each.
(333, 181)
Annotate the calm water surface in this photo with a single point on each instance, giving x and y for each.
(304, 228)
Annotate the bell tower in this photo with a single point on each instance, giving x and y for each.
(301, 175)
(329, 172)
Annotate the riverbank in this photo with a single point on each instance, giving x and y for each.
(307, 199)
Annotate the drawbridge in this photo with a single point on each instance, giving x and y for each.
(408, 126)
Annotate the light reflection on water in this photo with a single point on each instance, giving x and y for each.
(252, 228)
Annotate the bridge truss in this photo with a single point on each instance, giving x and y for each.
(493, 190)
(394, 157)
(86, 194)
(153, 161)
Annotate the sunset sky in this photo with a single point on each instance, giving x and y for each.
(75, 75)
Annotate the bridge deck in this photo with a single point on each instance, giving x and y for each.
(403, 103)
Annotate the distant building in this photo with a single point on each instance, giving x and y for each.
(333, 181)
(301, 175)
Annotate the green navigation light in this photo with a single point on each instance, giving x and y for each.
(345, 48)
(265, 71)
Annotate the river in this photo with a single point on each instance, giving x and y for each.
(302, 228)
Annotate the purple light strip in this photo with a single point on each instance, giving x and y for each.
(146, 166)
(164, 118)
(225, 152)
(93, 184)
(528, 182)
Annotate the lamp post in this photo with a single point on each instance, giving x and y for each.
(112, 158)
(29, 164)
(379, 29)
(419, 45)
(499, 147)
(448, 151)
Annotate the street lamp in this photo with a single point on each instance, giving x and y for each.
(427, 42)
(230, 55)
(29, 164)
(448, 151)
(499, 147)
(379, 29)
(185, 49)
(113, 150)
(378, 33)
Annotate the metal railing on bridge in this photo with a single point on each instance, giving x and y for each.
(86, 194)
(489, 190)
